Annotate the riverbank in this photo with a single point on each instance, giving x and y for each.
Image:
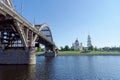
(39, 53)
(67, 53)
(77, 53)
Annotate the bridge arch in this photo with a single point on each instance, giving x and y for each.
(45, 30)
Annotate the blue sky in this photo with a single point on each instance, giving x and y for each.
(71, 19)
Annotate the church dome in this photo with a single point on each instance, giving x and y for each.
(77, 42)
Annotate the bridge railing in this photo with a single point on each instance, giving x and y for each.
(16, 13)
(22, 18)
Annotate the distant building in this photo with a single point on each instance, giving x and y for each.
(89, 44)
(77, 46)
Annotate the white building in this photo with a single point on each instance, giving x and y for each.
(77, 46)
(89, 43)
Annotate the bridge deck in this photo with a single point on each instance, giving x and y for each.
(6, 10)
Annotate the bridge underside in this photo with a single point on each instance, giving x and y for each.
(17, 42)
(12, 49)
(9, 36)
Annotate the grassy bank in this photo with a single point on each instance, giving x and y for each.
(87, 53)
(63, 53)
(70, 53)
(104, 52)
(38, 53)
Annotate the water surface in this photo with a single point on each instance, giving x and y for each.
(65, 68)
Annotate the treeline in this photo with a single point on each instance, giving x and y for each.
(109, 49)
(66, 48)
(92, 48)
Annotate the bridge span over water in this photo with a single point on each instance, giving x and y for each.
(19, 39)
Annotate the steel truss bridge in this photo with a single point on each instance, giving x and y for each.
(18, 33)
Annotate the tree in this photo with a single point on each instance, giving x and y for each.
(66, 48)
(95, 48)
(71, 49)
(61, 48)
(42, 49)
(90, 48)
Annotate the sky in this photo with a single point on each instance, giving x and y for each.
(75, 19)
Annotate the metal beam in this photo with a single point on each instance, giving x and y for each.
(20, 19)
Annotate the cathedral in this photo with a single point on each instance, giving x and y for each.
(77, 46)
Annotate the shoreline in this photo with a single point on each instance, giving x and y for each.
(91, 55)
(86, 54)
(77, 53)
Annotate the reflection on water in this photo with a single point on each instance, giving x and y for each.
(45, 69)
(78, 68)
(65, 68)
(17, 72)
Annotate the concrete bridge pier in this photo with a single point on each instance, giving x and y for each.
(50, 51)
(17, 56)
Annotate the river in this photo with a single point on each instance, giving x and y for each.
(65, 68)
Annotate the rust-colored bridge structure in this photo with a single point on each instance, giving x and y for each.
(19, 39)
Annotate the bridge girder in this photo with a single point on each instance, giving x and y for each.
(22, 29)
(44, 30)
(8, 3)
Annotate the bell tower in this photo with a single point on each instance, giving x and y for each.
(89, 44)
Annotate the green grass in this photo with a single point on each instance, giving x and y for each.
(37, 53)
(71, 53)
(89, 53)
(104, 52)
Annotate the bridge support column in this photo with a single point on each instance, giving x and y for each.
(17, 56)
(50, 51)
